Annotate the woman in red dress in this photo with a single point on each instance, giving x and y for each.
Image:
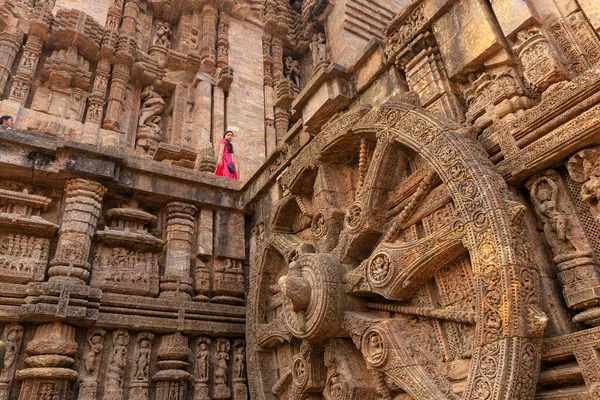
(225, 165)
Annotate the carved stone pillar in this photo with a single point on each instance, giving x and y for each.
(9, 45)
(90, 366)
(21, 85)
(110, 36)
(267, 60)
(277, 52)
(115, 369)
(221, 382)
(576, 38)
(589, 361)
(120, 78)
(541, 67)
(207, 38)
(426, 76)
(205, 161)
(223, 40)
(121, 73)
(282, 121)
(218, 115)
(96, 102)
(495, 96)
(240, 388)
(573, 254)
(12, 337)
(50, 362)
(83, 204)
(204, 252)
(172, 381)
(201, 368)
(130, 15)
(140, 381)
(176, 281)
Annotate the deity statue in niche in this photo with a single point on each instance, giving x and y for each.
(292, 71)
(149, 123)
(162, 34)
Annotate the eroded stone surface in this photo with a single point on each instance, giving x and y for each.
(417, 217)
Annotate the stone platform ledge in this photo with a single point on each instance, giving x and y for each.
(61, 159)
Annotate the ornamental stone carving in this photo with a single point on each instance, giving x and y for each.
(416, 216)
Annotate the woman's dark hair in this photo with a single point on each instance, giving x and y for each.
(4, 118)
(229, 145)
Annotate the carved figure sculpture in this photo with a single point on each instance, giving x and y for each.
(318, 49)
(544, 198)
(292, 71)
(117, 362)
(95, 341)
(221, 367)
(142, 360)
(152, 104)
(584, 167)
(149, 128)
(239, 360)
(12, 341)
(202, 359)
(162, 35)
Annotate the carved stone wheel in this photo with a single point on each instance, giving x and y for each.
(396, 265)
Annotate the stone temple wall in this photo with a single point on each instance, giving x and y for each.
(416, 217)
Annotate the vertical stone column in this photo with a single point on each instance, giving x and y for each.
(282, 121)
(205, 160)
(172, 381)
(223, 40)
(270, 132)
(82, 209)
(121, 74)
(207, 38)
(277, 57)
(589, 361)
(204, 251)
(218, 110)
(118, 84)
(12, 338)
(281, 116)
(9, 45)
(202, 368)
(573, 254)
(21, 85)
(89, 369)
(49, 374)
(96, 102)
(111, 28)
(176, 281)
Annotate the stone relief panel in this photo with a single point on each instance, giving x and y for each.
(25, 236)
(126, 259)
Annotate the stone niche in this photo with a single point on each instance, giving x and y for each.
(64, 84)
(24, 236)
(126, 259)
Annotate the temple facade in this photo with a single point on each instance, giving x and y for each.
(417, 215)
